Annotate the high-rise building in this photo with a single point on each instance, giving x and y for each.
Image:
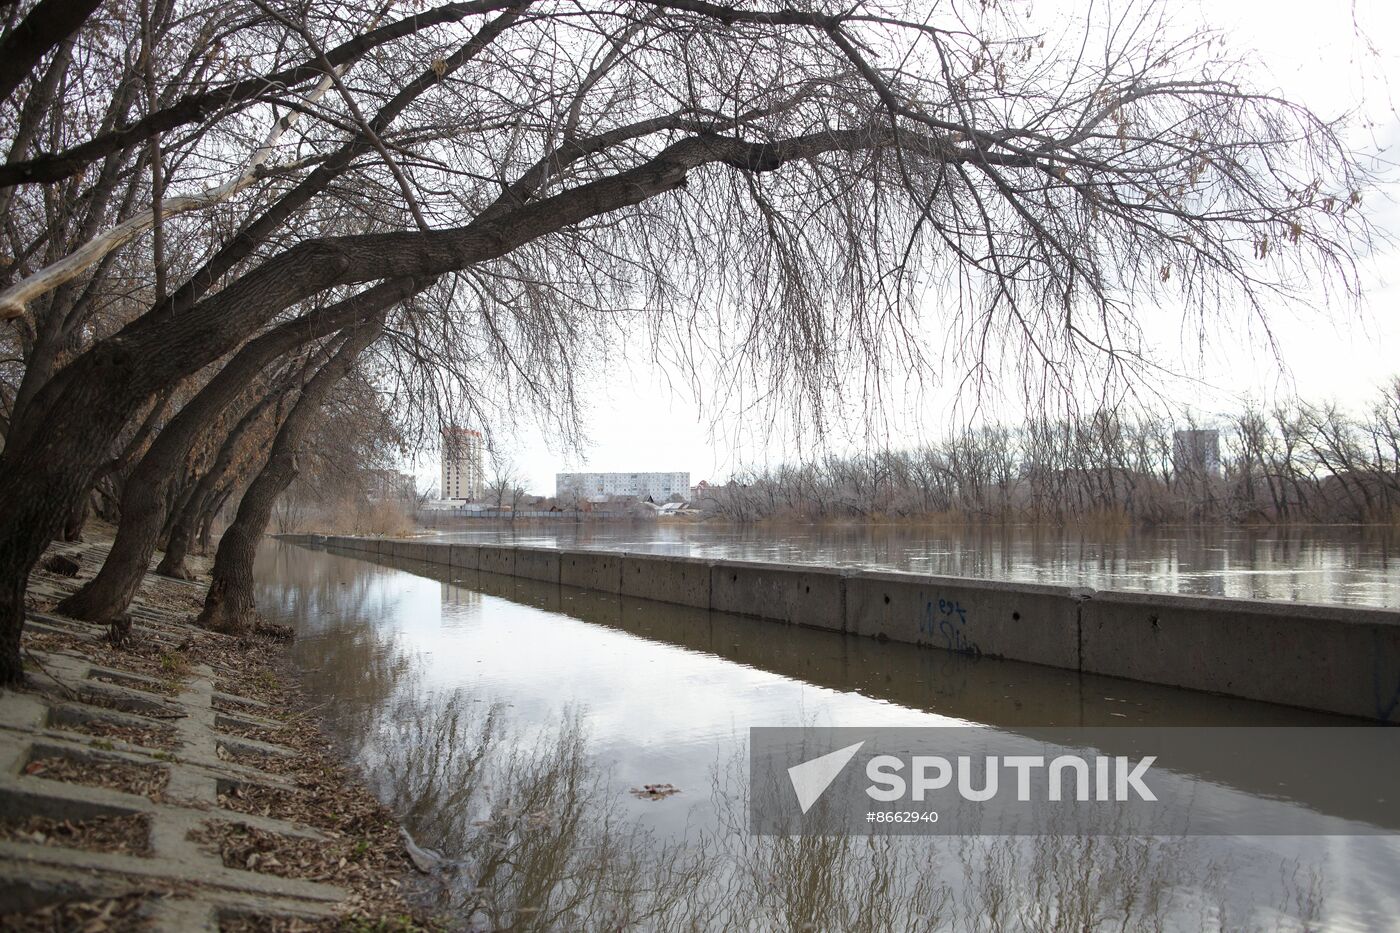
(1196, 453)
(657, 486)
(462, 475)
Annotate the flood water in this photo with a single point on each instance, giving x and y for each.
(506, 723)
(1352, 564)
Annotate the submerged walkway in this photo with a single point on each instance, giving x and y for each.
(141, 787)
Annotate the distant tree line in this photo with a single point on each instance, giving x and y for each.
(1293, 462)
(221, 223)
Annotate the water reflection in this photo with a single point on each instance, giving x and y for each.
(505, 722)
(1329, 563)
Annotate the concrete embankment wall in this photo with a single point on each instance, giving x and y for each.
(1333, 658)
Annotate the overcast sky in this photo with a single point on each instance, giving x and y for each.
(1308, 49)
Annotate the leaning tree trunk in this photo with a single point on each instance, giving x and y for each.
(172, 562)
(46, 468)
(145, 502)
(182, 529)
(77, 518)
(148, 494)
(205, 538)
(230, 606)
(177, 505)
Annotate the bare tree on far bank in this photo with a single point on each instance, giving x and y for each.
(1295, 462)
(500, 190)
(505, 488)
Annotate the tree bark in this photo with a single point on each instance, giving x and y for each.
(216, 505)
(172, 562)
(78, 515)
(47, 24)
(183, 528)
(177, 505)
(77, 518)
(149, 493)
(230, 606)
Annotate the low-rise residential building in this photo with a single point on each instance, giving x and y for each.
(598, 487)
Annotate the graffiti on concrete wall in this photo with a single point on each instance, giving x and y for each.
(945, 622)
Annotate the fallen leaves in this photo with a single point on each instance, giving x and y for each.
(247, 730)
(128, 777)
(133, 733)
(108, 915)
(126, 835)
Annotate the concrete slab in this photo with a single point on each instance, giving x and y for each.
(540, 564)
(1332, 658)
(1335, 659)
(464, 557)
(1039, 624)
(594, 570)
(496, 558)
(681, 580)
(803, 596)
(72, 690)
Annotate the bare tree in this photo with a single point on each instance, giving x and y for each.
(787, 181)
(503, 488)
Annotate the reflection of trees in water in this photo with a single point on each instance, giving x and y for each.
(1005, 883)
(541, 840)
(535, 842)
(300, 587)
(350, 673)
(538, 841)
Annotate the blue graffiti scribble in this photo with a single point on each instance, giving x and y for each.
(947, 621)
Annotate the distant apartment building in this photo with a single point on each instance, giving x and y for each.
(463, 476)
(1196, 453)
(657, 486)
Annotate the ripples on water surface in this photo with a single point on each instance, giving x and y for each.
(1327, 563)
(506, 721)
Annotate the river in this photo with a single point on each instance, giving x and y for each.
(1352, 564)
(508, 722)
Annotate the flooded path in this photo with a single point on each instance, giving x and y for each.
(508, 722)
